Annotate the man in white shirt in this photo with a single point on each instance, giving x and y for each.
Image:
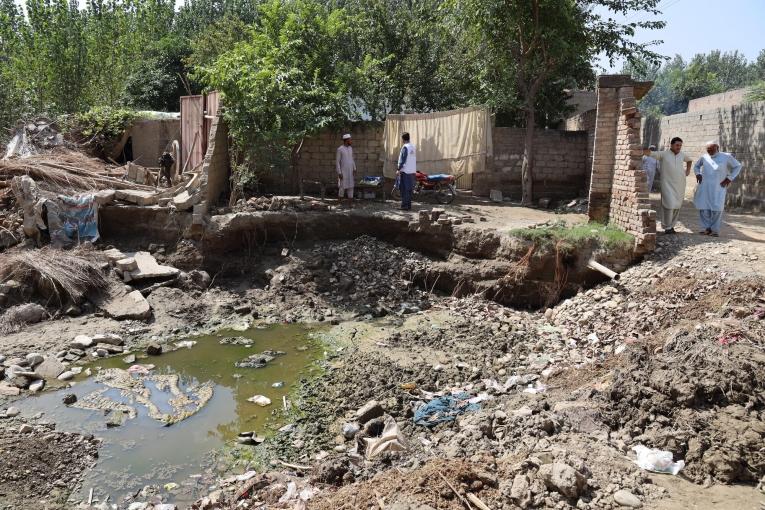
(346, 169)
(714, 171)
(673, 177)
(649, 166)
(407, 168)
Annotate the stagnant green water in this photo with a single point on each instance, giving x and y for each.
(145, 452)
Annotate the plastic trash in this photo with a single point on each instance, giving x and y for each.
(658, 461)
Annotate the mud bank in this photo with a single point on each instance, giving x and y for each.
(464, 258)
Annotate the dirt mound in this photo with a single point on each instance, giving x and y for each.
(702, 398)
(40, 462)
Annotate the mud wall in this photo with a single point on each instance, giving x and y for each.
(152, 137)
(142, 224)
(739, 129)
(216, 167)
(560, 164)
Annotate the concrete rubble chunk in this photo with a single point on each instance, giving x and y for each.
(51, 368)
(122, 305)
(626, 498)
(113, 254)
(369, 411)
(149, 269)
(81, 342)
(108, 338)
(127, 264)
(184, 200)
(6, 390)
(136, 197)
(562, 478)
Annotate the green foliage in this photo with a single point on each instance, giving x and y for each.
(606, 236)
(102, 122)
(677, 81)
(160, 77)
(756, 92)
(284, 82)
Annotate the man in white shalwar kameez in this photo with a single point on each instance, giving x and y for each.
(714, 171)
(346, 169)
(673, 177)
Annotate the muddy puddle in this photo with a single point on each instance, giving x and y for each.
(145, 449)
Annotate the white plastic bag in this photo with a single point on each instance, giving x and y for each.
(658, 461)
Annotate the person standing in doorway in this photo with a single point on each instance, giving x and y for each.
(649, 166)
(346, 169)
(407, 167)
(675, 168)
(714, 171)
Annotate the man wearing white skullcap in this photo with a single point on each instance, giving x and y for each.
(346, 169)
(714, 171)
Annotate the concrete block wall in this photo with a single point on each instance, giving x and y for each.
(721, 100)
(560, 164)
(740, 130)
(585, 122)
(317, 156)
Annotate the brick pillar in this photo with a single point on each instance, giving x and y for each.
(618, 189)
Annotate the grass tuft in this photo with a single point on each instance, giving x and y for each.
(606, 236)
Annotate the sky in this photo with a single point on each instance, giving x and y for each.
(699, 26)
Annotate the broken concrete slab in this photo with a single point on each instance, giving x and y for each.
(6, 390)
(127, 264)
(123, 305)
(149, 269)
(113, 254)
(105, 196)
(184, 200)
(137, 197)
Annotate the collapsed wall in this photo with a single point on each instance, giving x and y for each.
(739, 129)
(618, 188)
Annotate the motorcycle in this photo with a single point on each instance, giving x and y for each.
(443, 186)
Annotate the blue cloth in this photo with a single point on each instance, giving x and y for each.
(711, 220)
(444, 409)
(438, 177)
(402, 157)
(406, 186)
(713, 170)
(78, 220)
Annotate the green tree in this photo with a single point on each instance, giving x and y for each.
(528, 45)
(160, 78)
(283, 83)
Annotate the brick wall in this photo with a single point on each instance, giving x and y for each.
(618, 190)
(560, 164)
(630, 206)
(729, 98)
(739, 129)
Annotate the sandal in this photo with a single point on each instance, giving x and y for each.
(714, 234)
(706, 232)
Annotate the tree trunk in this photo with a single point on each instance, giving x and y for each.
(527, 168)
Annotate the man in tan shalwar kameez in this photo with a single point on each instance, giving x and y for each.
(673, 177)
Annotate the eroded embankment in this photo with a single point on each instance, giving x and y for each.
(464, 259)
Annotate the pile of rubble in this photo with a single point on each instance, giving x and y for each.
(281, 203)
(366, 276)
(33, 137)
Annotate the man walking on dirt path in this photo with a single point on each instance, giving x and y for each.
(407, 167)
(714, 171)
(673, 177)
